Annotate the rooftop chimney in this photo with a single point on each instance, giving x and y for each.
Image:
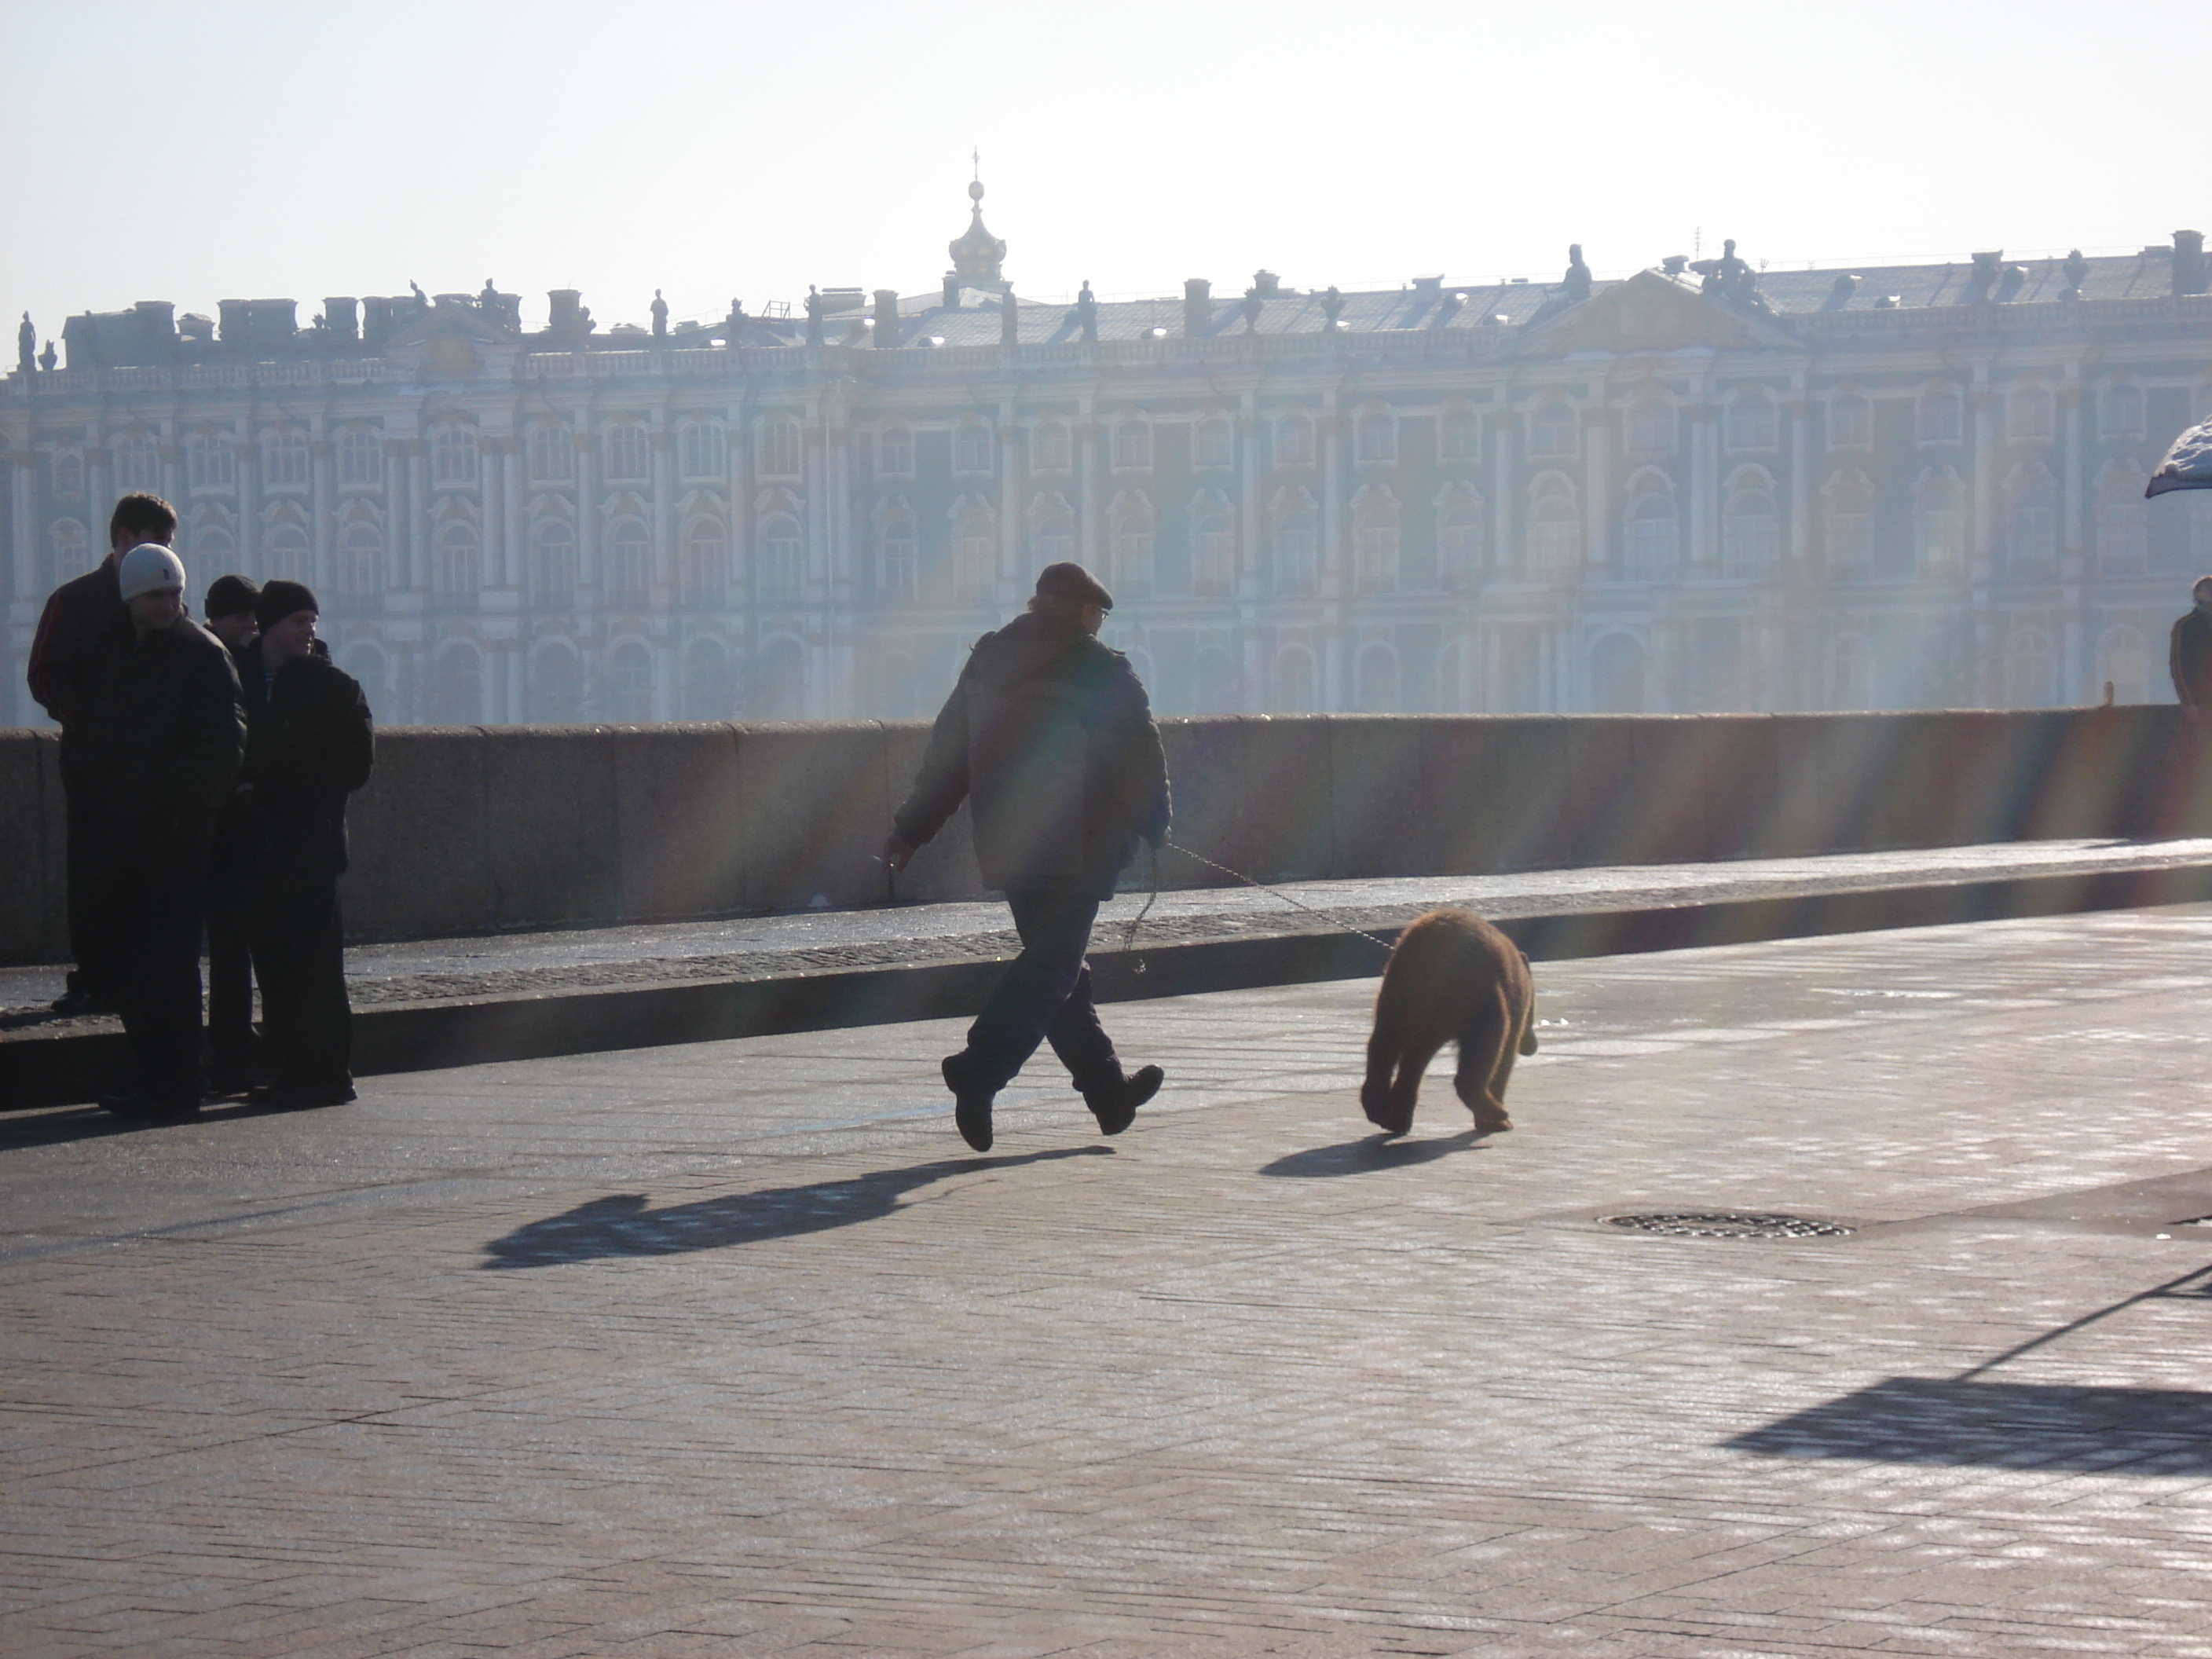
(2188, 270)
(1198, 308)
(887, 317)
(342, 317)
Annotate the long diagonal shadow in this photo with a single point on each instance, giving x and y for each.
(1968, 1419)
(1370, 1153)
(620, 1224)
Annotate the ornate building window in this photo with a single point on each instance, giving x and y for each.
(285, 547)
(1459, 436)
(1212, 548)
(2120, 412)
(1377, 691)
(1850, 421)
(1213, 442)
(1552, 431)
(895, 453)
(360, 560)
(1297, 543)
(209, 461)
(553, 566)
(1133, 445)
(2029, 415)
(1459, 540)
(1375, 538)
(360, 459)
(1294, 439)
(552, 454)
(782, 559)
(65, 474)
(1131, 535)
(1939, 524)
(454, 455)
(1617, 674)
(627, 452)
(709, 689)
(975, 552)
(706, 562)
(777, 448)
(1751, 524)
(456, 687)
(1850, 672)
(1555, 527)
(68, 553)
(780, 687)
(2031, 499)
(1294, 680)
(1651, 530)
(971, 448)
(284, 459)
(2031, 670)
(1052, 530)
(1943, 417)
(2122, 517)
(2123, 659)
(629, 684)
(897, 556)
(629, 563)
(454, 562)
(704, 452)
(1651, 426)
(1049, 447)
(1375, 436)
(137, 463)
(556, 685)
(1850, 527)
(1752, 422)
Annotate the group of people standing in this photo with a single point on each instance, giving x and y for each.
(205, 772)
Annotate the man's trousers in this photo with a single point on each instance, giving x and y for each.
(1045, 996)
(298, 957)
(152, 892)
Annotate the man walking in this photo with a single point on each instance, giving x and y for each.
(2189, 653)
(309, 745)
(1049, 735)
(229, 608)
(160, 735)
(76, 614)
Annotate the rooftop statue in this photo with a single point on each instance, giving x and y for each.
(660, 316)
(1576, 285)
(27, 345)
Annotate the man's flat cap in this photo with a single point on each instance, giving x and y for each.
(1070, 580)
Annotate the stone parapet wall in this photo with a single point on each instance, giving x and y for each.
(477, 828)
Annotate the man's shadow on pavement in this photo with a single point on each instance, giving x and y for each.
(620, 1224)
(1370, 1153)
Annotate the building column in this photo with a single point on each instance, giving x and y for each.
(664, 585)
(23, 499)
(1333, 683)
(1013, 588)
(248, 464)
(100, 504)
(663, 681)
(817, 532)
(1982, 546)
(2073, 516)
(1801, 486)
(588, 524)
(738, 432)
(1704, 488)
(1597, 492)
(172, 472)
(418, 516)
(1504, 543)
(1249, 550)
(491, 531)
(1089, 510)
(322, 511)
(510, 498)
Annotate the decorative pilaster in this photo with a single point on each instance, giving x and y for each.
(1089, 509)
(587, 528)
(1597, 492)
(322, 459)
(1012, 589)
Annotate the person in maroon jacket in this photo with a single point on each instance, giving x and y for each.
(78, 614)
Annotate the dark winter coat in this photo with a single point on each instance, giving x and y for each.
(309, 744)
(1049, 735)
(162, 729)
(77, 616)
(2189, 659)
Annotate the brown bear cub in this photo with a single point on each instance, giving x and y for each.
(1452, 975)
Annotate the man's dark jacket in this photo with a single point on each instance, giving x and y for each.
(162, 729)
(76, 617)
(309, 744)
(1049, 731)
(2189, 659)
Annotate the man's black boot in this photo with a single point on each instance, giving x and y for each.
(1114, 1104)
(971, 1101)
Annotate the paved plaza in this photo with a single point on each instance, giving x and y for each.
(733, 1349)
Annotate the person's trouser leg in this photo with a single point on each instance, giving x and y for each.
(1081, 1042)
(1032, 1001)
(160, 895)
(230, 961)
(93, 922)
(299, 955)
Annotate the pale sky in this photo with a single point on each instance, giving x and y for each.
(194, 151)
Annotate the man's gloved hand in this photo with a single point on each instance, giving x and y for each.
(898, 854)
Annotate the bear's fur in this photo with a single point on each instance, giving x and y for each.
(1452, 976)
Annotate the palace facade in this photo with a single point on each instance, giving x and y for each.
(1698, 488)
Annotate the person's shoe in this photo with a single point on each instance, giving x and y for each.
(298, 1097)
(1115, 1105)
(77, 1004)
(226, 1082)
(971, 1103)
(149, 1109)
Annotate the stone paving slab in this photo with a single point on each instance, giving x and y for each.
(733, 1348)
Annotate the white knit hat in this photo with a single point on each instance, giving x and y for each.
(147, 566)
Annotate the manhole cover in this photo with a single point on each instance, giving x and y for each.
(1727, 1224)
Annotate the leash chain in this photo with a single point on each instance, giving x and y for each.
(1130, 943)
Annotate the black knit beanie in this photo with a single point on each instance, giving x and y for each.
(228, 595)
(280, 600)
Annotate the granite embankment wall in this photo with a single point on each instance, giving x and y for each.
(475, 829)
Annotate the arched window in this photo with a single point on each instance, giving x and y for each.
(1850, 525)
(360, 560)
(1459, 541)
(2031, 671)
(2029, 417)
(2123, 660)
(208, 461)
(895, 453)
(704, 453)
(1375, 436)
(553, 565)
(630, 564)
(777, 448)
(1551, 430)
(360, 459)
(1459, 437)
(897, 561)
(1616, 675)
(1651, 426)
(780, 692)
(1213, 442)
(1294, 439)
(456, 687)
(706, 562)
(1133, 445)
(1850, 672)
(2122, 517)
(137, 463)
(285, 547)
(66, 473)
(1049, 447)
(1378, 680)
(1130, 533)
(1375, 542)
(975, 552)
(1850, 421)
(709, 690)
(1217, 687)
(2120, 412)
(453, 564)
(2031, 521)
(1213, 551)
(782, 559)
(1555, 527)
(284, 459)
(69, 554)
(556, 687)
(1651, 533)
(208, 549)
(1943, 416)
(552, 454)
(1751, 423)
(1298, 546)
(1939, 524)
(454, 455)
(1052, 531)
(1294, 680)
(1751, 526)
(629, 454)
(366, 664)
(629, 684)
(971, 447)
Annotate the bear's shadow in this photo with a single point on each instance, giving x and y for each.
(1370, 1153)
